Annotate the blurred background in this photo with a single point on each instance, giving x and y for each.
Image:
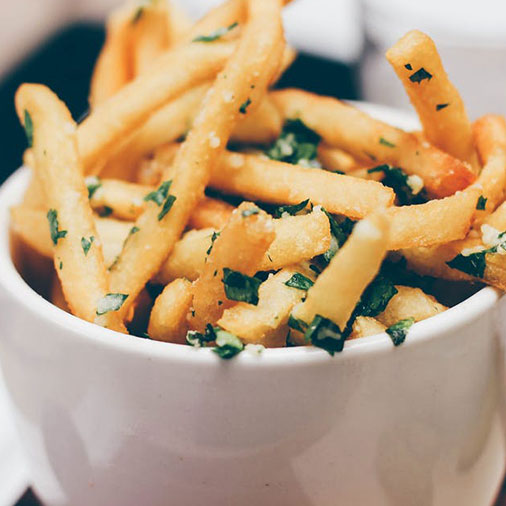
(341, 44)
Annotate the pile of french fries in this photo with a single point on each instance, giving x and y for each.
(197, 205)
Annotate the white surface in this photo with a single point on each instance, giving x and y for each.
(115, 420)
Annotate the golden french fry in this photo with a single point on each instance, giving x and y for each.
(210, 213)
(410, 302)
(421, 224)
(338, 288)
(112, 69)
(337, 160)
(365, 326)
(34, 194)
(297, 238)
(168, 317)
(240, 247)
(368, 139)
(57, 297)
(173, 73)
(78, 256)
(149, 35)
(245, 78)
(276, 182)
(440, 108)
(31, 225)
(179, 22)
(265, 323)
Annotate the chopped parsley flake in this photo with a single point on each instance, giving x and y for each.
(297, 144)
(199, 340)
(481, 204)
(105, 211)
(217, 34)
(296, 324)
(93, 183)
(300, 282)
(158, 196)
(61, 265)
(408, 66)
(227, 345)
(473, 264)
(325, 334)
(213, 238)
(340, 231)
(398, 331)
(138, 14)
(386, 143)
(441, 106)
(28, 124)
(52, 217)
(167, 206)
(278, 212)
(133, 230)
(398, 180)
(86, 244)
(375, 297)
(111, 302)
(244, 107)
(240, 287)
(420, 75)
(250, 212)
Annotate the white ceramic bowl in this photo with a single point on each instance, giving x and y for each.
(108, 419)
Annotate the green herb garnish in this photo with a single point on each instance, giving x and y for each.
(105, 211)
(244, 106)
(138, 14)
(386, 143)
(375, 297)
(278, 212)
(300, 282)
(93, 183)
(441, 106)
(398, 331)
(408, 66)
(28, 124)
(217, 34)
(297, 144)
(420, 75)
(167, 206)
(240, 287)
(227, 345)
(481, 204)
(325, 334)
(52, 217)
(199, 340)
(158, 196)
(340, 231)
(111, 302)
(213, 238)
(296, 324)
(86, 244)
(398, 180)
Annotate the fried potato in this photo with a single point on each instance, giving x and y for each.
(365, 326)
(265, 323)
(368, 139)
(211, 212)
(173, 73)
(336, 160)
(168, 317)
(240, 247)
(244, 78)
(77, 253)
(440, 108)
(276, 182)
(410, 302)
(435, 222)
(297, 238)
(57, 297)
(338, 288)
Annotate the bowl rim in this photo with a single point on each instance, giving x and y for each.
(14, 285)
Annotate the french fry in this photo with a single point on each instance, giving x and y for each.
(336, 160)
(245, 77)
(112, 69)
(420, 225)
(276, 182)
(31, 225)
(297, 238)
(78, 257)
(210, 213)
(179, 22)
(338, 288)
(149, 35)
(168, 317)
(240, 247)
(410, 302)
(57, 297)
(365, 326)
(368, 139)
(440, 108)
(265, 323)
(171, 74)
